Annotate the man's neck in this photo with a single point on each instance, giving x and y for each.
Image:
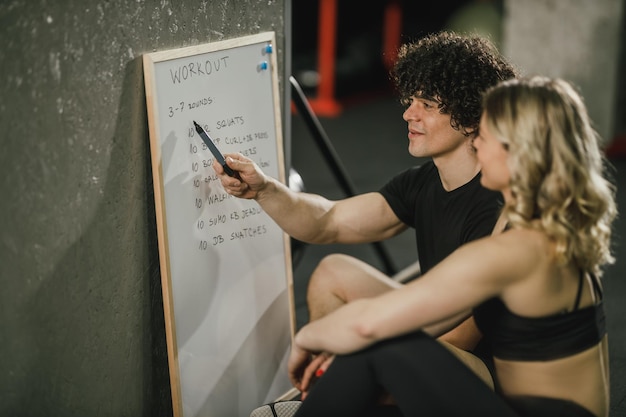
(457, 169)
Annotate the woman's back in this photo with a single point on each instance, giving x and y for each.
(581, 378)
(547, 330)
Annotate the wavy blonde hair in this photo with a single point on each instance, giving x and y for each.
(557, 168)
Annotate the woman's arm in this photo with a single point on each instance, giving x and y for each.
(475, 272)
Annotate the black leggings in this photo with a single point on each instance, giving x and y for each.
(424, 378)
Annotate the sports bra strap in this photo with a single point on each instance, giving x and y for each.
(596, 287)
(581, 276)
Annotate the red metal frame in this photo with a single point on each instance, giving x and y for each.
(325, 103)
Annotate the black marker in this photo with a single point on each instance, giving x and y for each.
(216, 152)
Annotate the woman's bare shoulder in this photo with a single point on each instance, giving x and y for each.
(524, 242)
(511, 254)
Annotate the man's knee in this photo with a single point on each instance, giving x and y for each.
(327, 278)
(329, 267)
(340, 278)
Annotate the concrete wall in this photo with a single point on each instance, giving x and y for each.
(81, 316)
(578, 40)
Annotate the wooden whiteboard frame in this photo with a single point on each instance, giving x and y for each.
(150, 61)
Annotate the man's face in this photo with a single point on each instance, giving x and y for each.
(430, 133)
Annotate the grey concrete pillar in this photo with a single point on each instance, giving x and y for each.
(578, 40)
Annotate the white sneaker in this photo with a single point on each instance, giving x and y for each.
(277, 409)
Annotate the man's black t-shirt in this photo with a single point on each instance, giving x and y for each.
(443, 220)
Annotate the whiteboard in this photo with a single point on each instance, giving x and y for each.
(225, 265)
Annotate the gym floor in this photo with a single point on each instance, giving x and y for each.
(370, 138)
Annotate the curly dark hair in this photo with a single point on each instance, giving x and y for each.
(452, 69)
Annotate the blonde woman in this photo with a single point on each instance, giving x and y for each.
(535, 289)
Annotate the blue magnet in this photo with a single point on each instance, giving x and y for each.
(268, 48)
(263, 65)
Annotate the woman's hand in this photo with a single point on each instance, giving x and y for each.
(314, 371)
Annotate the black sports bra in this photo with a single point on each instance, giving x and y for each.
(514, 337)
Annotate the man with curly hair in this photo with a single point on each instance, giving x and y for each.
(441, 79)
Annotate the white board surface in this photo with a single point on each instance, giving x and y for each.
(225, 265)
